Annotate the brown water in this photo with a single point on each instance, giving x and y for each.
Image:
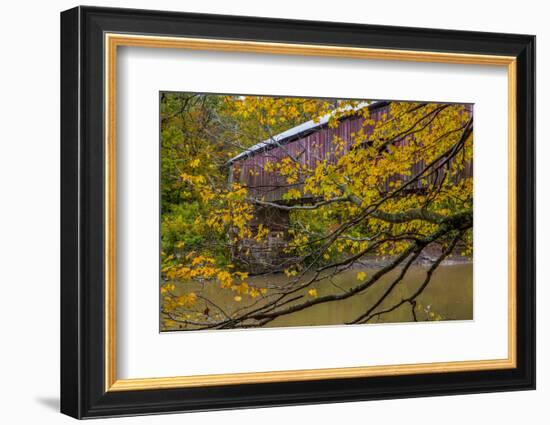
(449, 296)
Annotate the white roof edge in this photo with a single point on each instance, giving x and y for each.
(309, 125)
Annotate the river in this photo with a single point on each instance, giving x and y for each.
(449, 296)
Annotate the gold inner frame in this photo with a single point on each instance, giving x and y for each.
(113, 41)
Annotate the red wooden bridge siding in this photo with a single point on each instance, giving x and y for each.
(310, 148)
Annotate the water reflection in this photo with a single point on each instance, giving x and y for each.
(449, 296)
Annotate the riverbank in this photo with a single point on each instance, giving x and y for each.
(424, 260)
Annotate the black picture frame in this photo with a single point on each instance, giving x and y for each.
(83, 392)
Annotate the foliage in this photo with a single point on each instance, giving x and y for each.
(393, 189)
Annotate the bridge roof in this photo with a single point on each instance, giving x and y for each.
(297, 132)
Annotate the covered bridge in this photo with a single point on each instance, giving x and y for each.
(307, 143)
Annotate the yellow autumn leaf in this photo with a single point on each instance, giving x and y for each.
(312, 292)
(361, 276)
(242, 275)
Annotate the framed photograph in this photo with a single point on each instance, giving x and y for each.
(261, 212)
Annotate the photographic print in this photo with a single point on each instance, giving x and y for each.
(288, 211)
(315, 205)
